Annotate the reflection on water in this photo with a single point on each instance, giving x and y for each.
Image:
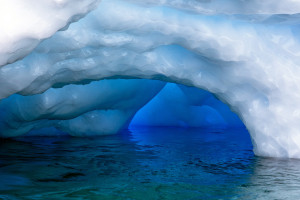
(144, 164)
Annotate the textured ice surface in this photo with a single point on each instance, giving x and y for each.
(23, 24)
(244, 52)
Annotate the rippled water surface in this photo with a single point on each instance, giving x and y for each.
(145, 164)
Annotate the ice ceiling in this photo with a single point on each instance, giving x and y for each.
(80, 65)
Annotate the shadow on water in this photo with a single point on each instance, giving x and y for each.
(144, 164)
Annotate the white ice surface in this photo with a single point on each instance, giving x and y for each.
(23, 24)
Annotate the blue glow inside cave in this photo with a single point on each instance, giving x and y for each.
(187, 107)
(106, 107)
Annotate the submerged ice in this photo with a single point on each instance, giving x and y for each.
(246, 53)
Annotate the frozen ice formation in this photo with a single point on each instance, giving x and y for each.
(246, 53)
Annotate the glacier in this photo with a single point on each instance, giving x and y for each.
(246, 53)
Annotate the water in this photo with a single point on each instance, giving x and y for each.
(145, 164)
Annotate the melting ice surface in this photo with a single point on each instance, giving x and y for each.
(144, 164)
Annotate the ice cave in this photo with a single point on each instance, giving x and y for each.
(75, 65)
(93, 69)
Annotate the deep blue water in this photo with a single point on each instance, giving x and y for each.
(145, 164)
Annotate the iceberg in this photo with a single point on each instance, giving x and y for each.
(246, 53)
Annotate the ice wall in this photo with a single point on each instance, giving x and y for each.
(244, 52)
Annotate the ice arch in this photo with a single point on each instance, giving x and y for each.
(246, 53)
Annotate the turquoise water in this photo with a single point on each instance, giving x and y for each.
(145, 164)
